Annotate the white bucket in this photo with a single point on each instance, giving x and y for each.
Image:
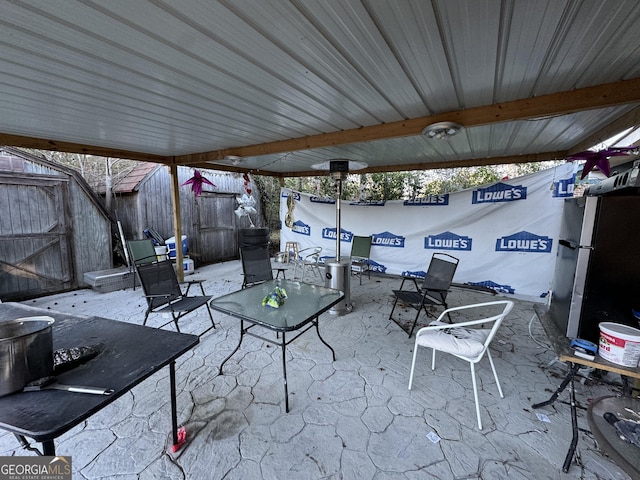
(619, 344)
(161, 253)
(188, 266)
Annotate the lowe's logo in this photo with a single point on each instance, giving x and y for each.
(414, 274)
(524, 242)
(387, 239)
(500, 192)
(296, 195)
(369, 203)
(301, 228)
(447, 241)
(494, 286)
(322, 200)
(564, 188)
(428, 200)
(330, 233)
(377, 267)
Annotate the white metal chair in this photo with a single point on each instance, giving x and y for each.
(467, 340)
(308, 257)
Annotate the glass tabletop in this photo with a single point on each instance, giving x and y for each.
(304, 302)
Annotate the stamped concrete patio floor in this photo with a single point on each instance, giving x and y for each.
(350, 419)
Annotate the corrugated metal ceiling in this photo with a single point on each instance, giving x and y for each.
(286, 84)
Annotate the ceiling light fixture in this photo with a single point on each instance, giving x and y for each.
(442, 130)
(234, 159)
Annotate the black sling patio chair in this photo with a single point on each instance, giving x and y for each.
(433, 290)
(360, 256)
(141, 252)
(256, 265)
(164, 295)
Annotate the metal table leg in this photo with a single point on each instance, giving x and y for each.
(322, 339)
(48, 447)
(572, 373)
(283, 344)
(284, 371)
(573, 370)
(574, 427)
(174, 408)
(235, 349)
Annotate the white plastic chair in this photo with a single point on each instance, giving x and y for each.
(463, 340)
(308, 257)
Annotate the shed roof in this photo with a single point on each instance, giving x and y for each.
(129, 182)
(14, 161)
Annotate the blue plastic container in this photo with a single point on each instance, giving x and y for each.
(171, 246)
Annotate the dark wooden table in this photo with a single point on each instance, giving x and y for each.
(128, 355)
(299, 312)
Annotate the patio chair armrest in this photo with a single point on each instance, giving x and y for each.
(472, 306)
(159, 295)
(189, 283)
(413, 279)
(438, 325)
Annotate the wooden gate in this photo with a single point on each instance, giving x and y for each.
(35, 257)
(216, 227)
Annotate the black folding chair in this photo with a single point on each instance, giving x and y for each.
(360, 253)
(140, 252)
(256, 265)
(163, 293)
(433, 290)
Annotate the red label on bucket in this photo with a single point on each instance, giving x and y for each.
(617, 341)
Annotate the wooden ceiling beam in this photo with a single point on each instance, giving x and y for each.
(628, 120)
(561, 103)
(598, 96)
(470, 162)
(69, 147)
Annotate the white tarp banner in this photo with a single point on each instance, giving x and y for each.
(505, 234)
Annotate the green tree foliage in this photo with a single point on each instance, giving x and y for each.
(385, 186)
(460, 179)
(269, 188)
(389, 186)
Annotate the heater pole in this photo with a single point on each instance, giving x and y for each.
(338, 199)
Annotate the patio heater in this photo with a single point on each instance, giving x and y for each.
(338, 271)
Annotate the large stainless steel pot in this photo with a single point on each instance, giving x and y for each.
(26, 352)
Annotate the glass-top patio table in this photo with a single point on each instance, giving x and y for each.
(300, 311)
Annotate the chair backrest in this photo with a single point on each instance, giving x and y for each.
(159, 278)
(361, 247)
(484, 315)
(310, 254)
(256, 264)
(142, 251)
(440, 273)
(498, 318)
